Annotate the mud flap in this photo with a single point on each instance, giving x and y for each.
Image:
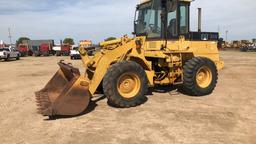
(67, 93)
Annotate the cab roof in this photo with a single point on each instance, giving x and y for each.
(144, 1)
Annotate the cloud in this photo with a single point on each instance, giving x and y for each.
(94, 20)
(9, 7)
(235, 16)
(98, 19)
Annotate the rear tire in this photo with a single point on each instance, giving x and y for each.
(58, 53)
(200, 77)
(125, 84)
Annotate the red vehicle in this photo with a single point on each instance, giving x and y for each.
(45, 49)
(62, 50)
(24, 50)
(65, 49)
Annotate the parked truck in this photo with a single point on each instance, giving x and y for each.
(57, 49)
(45, 49)
(40, 47)
(9, 53)
(24, 50)
(62, 50)
(248, 46)
(74, 53)
(65, 49)
(87, 44)
(36, 51)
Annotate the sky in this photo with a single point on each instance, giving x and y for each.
(98, 19)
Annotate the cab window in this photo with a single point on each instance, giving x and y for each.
(148, 20)
(184, 23)
(172, 24)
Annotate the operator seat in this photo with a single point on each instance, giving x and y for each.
(171, 29)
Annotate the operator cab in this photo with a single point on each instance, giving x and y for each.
(167, 19)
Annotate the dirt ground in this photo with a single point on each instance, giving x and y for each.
(228, 116)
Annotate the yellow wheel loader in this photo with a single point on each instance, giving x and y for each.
(163, 52)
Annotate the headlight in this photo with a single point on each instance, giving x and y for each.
(4, 53)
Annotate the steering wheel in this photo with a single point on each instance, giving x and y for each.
(154, 29)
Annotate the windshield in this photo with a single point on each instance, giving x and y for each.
(75, 48)
(4, 49)
(148, 20)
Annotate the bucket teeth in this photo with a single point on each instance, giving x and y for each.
(43, 103)
(47, 112)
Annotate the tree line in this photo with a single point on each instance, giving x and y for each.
(69, 41)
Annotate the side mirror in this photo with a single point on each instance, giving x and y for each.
(137, 7)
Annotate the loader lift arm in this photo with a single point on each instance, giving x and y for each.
(69, 92)
(97, 67)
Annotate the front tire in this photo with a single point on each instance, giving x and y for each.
(125, 84)
(200, 77)
(7, 58)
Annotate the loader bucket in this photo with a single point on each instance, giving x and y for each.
(66, 94)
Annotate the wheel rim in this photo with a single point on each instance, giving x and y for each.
(204, 77)
(128, 85)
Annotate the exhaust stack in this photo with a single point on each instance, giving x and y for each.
(199, 19)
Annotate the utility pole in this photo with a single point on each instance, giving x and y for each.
(219, 29)
(10, 36)
(226, 35)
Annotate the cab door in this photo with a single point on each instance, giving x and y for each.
(154, 29)
(178, 28)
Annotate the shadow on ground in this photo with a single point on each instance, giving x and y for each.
(91, 107)
(171, 89)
